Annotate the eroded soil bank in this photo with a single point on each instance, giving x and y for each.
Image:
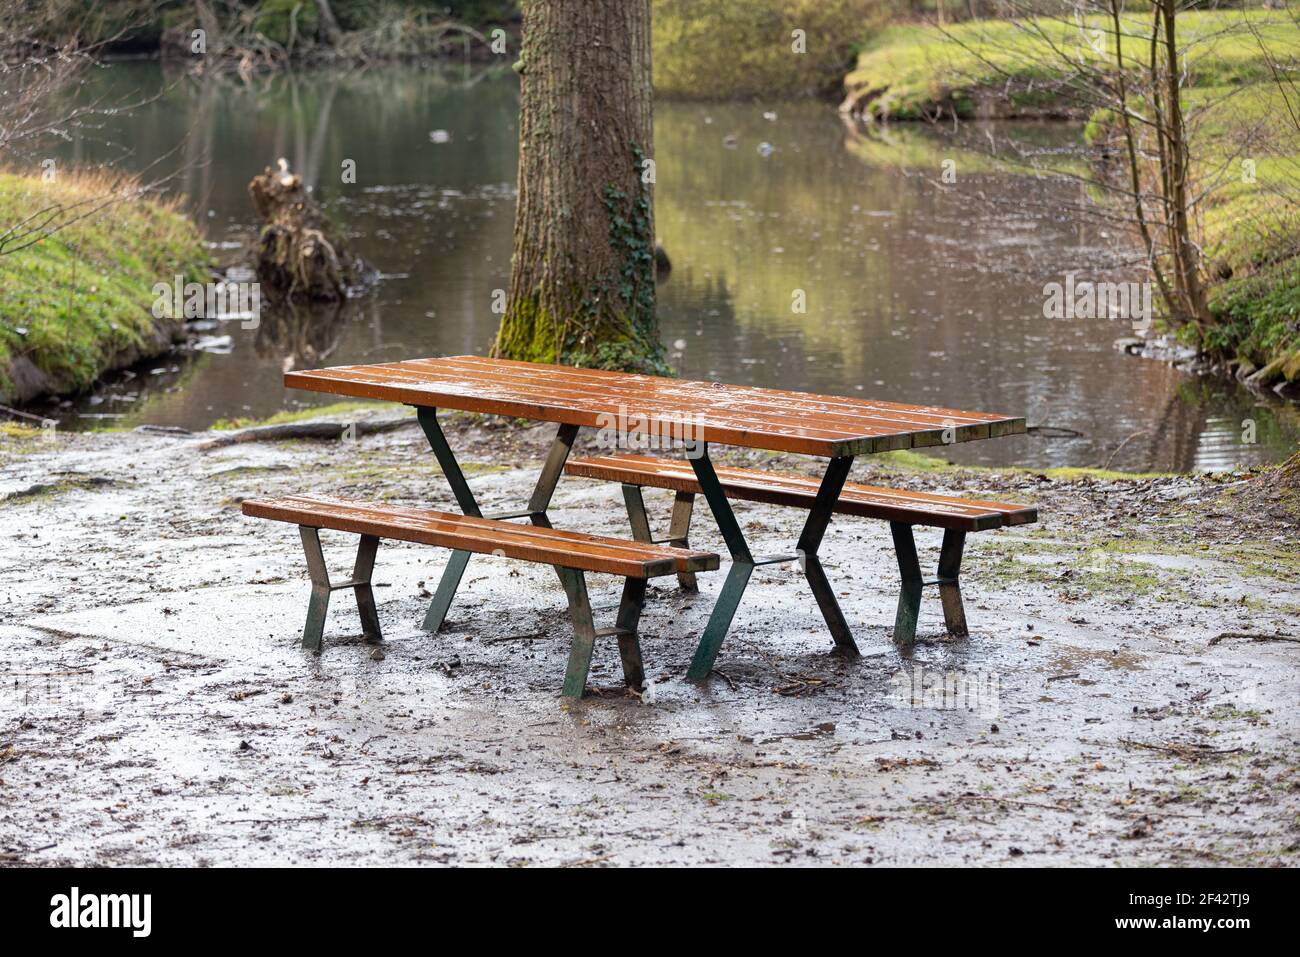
(1113, 703)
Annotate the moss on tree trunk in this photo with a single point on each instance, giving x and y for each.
(583, 270)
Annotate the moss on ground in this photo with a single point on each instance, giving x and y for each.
(79, 299)
(907, 460)
(345, 410)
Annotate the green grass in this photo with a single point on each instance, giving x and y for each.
(347, 410)
(907, 460)
(1251, 227)
(81, 297)
(1248, 228)
(924, 70)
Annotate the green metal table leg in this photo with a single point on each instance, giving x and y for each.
(814, 529)
(824, 592)
(743, 562)
(551, 472)
(451, 575)
(636, 515)
(447, 460)
(447, 585)
(720, 620)
(742, 566)
(537, 503)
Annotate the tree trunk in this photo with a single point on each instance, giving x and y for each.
(582, 279)
(1186, 255)
(329, 24)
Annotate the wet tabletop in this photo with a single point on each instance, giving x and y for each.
(772, 419)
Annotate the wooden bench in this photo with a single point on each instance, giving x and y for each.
(902, 509)
(571, 553)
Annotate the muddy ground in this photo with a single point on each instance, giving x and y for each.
(1127, 694)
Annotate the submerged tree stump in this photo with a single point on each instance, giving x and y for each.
(298, 255)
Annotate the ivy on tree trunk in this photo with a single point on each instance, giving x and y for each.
(582, 278)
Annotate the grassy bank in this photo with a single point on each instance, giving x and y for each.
(78, 302)
(1245, 147)
(1004, 69)
(1251, 231)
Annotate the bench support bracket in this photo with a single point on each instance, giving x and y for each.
(678, 529)
(585, 632)
(948, 580)
(318, 605)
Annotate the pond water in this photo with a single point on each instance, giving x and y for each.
(916, 289)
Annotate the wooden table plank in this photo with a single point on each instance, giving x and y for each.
(771, 419)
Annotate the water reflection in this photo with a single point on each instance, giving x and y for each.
(915, 289)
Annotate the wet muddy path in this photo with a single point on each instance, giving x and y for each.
(1112, 704)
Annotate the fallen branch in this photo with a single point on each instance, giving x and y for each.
(1119, 448)
(1001, 800)
(1053, 432)
(1192, 751)
(532, 637)
(23, 415)
(305, 430)
(1249, 636)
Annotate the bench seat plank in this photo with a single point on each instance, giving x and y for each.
(868, 501)
(548, 546)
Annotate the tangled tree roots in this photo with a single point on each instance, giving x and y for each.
(296, 257)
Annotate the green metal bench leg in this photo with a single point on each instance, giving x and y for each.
(636, 515)
(954, 614)
(318, 605)
(361, 574)
(447, 585)
(629, 646)
(679, 530)
(909, 599)
(825, 595)
(584, 633)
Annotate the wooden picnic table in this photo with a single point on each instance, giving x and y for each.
(702, 413)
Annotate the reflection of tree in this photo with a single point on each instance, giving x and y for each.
(301, 334)
(688, 305)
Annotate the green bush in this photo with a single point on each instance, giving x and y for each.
(718, 49)
(275, 20)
